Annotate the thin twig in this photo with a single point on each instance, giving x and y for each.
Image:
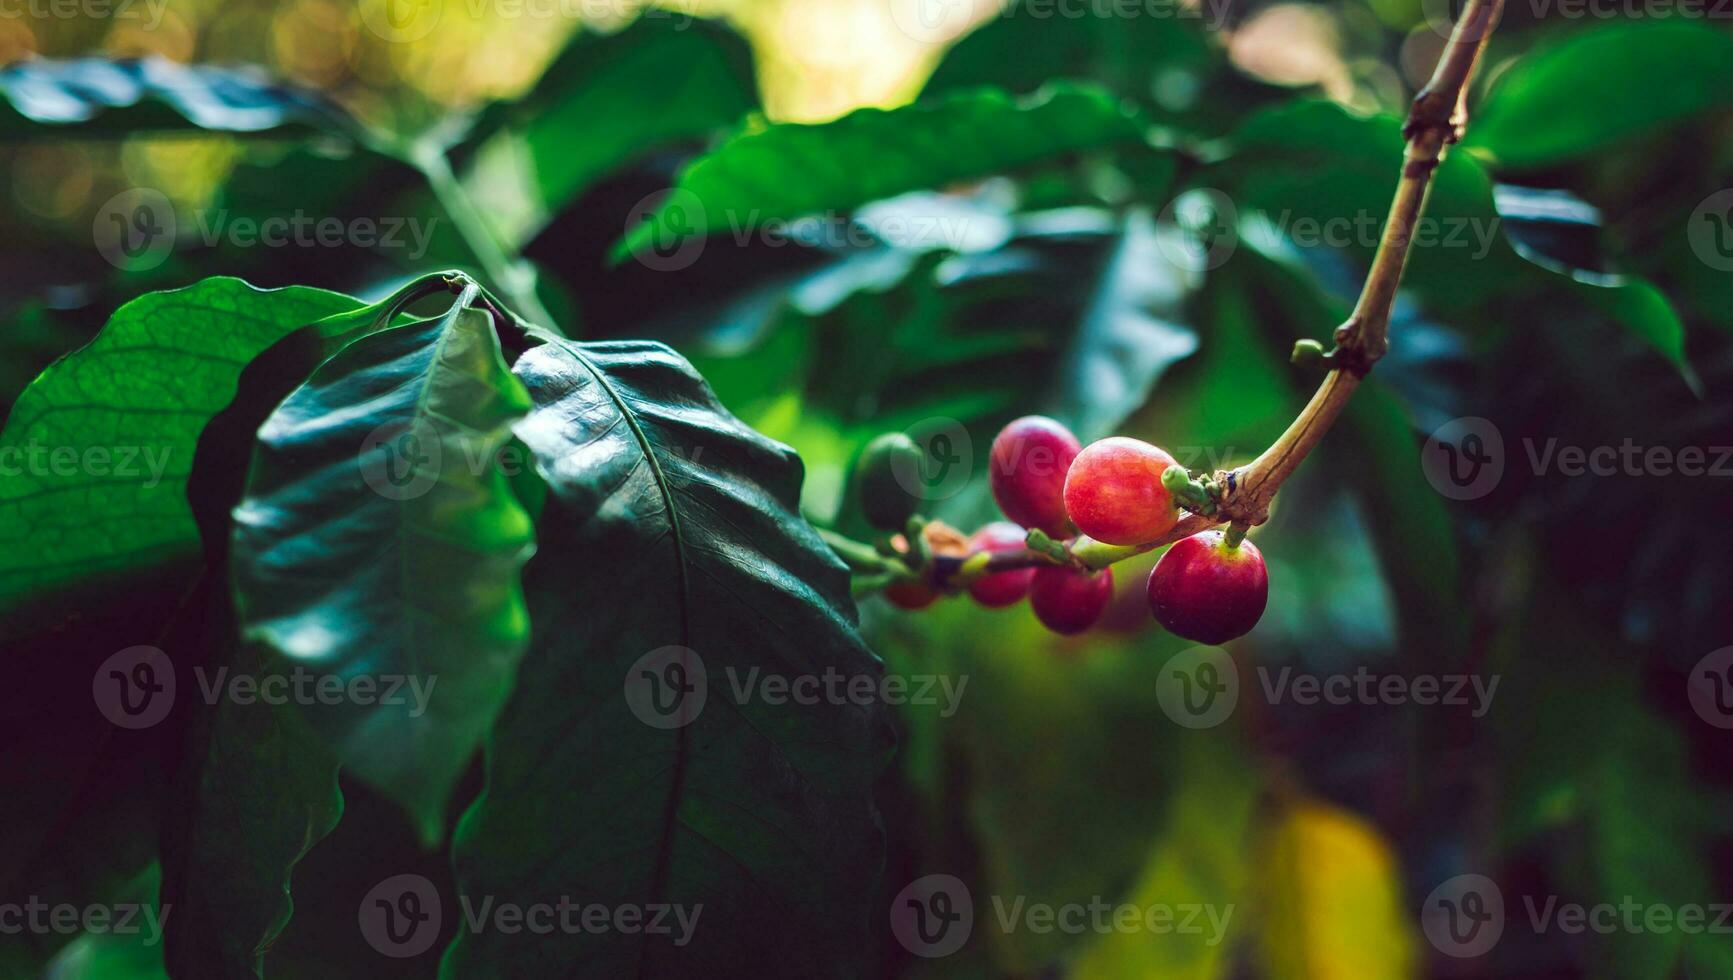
(1435, 120)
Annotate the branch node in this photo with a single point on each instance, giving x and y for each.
(1431, 110)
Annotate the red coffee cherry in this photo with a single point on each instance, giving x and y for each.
(1114, 493)
(1067, 601)
(1000, 589)
(1207, 592)
(910, 595)
(1026, 471)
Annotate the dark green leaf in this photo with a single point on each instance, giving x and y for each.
(671, 524)
(1599, 87)
(379, 541)
(256, 790)
(97, 97)
(787, 171)
(607, 100)
(98, 448)
(1164, 59)
(1028, 45)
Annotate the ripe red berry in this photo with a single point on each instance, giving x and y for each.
(1026, 470)
(1000, 588)
(1114, 493)
(910, 595)
(1067, 601)
(1208, 592)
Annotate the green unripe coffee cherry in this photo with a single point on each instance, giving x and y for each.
(890, 464)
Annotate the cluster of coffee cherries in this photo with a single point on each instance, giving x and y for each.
(1208, 588)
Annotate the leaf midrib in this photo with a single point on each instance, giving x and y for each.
(671, 808)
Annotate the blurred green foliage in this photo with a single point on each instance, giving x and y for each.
(1051, 248)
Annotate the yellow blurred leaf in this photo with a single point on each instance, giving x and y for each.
(1200, 862)
(1330, 898)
